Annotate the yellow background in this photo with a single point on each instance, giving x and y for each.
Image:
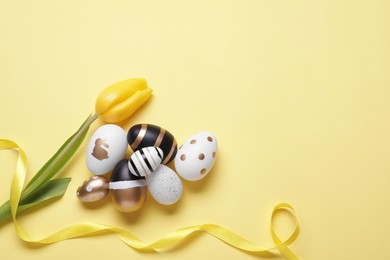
(297, 93)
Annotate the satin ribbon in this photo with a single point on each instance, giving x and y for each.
(169, 240)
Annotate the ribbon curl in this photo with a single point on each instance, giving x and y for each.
(169, 240)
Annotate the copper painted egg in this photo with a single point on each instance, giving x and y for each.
(128, 191)
(144, 135)
(93, 189)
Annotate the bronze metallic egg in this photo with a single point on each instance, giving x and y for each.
(128, 192)
(93, 189)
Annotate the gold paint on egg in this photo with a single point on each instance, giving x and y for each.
(159, 138)
(129, 200)
(139, 138)
(144, 135)
(93, 189)
(171, 152)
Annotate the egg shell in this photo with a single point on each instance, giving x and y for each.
(164, 185)
(144, 135)
(106, 147)
(145, 161)
(93, 189)
(196, 156)
(128, 192)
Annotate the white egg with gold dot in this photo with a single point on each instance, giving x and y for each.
(93, 189)
(196, 156)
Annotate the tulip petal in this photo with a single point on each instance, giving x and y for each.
(117, 93)
(127, 107)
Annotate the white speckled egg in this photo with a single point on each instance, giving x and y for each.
(106, 148)
(196, 156)
(164, 185)
(93, 189)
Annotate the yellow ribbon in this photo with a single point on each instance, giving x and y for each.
(169, 240)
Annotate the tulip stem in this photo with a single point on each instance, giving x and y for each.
(53, 166)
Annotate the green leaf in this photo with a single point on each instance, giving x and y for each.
(49, 191)
(59, 159)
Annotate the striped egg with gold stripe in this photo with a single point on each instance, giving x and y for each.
(145, 161)
(146, 135)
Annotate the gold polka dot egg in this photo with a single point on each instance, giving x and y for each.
(94, 189)
(196, 156)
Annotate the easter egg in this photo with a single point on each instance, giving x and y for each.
(106, 147)
(144, 135)
(93, 189)
(128, 191)
(145, 161)
(164, 185)
(196, 156)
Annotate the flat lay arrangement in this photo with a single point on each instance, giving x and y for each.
(194, 129)
(153, 148)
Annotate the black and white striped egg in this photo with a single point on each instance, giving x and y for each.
(144, 135)
(143, 162)
(128, 191)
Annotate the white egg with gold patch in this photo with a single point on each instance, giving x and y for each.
(196, 156)
(106, 148)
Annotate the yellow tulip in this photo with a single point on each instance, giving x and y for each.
(120, 100)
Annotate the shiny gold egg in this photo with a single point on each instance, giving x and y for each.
(128, 191)
(93, 189)
(130, 199)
